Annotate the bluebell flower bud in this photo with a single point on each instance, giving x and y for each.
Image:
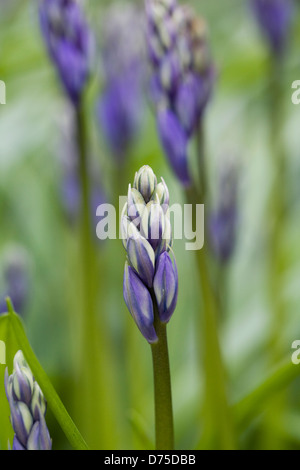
(145, 182)
(145, 244)
(128, 229)
(68, 40)
(166, 287)
(162, 193)
(142, 258)
(139, 303)
(27, 407)
(135, 205)
(153, 223)
(274, 18)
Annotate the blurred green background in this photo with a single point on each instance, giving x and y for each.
(32, 217)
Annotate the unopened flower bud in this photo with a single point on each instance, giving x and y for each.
(166, 286)
(145, 182)
(139, 303)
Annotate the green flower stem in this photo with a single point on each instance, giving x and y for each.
(276, 204)
(218, 426)
(164, 426)
(54, 402)
(276, 208)
(94, 409)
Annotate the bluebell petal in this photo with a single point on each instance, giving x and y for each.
(142, 258)
(166, 287)
(139, 303)
(174, 140)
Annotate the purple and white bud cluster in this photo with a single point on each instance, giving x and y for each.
(183, 77)
(274, 18)
(68, 40)
(27, 407)
(150, 276)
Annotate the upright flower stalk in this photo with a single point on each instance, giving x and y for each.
(182, 83)
(27, 407)
(151, 284)
(274, 18)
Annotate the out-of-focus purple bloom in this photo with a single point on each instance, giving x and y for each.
(150, 276)
(120, 108)
(27, 407)
(68, 40)
(224, 218)
(183, 77)
(15, 273)
(274, 18)
(174, 140)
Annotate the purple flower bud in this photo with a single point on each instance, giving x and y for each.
(186, 105)
(145, 182)
(135, 205)
(128, 228)
(145, 243)
(68, 41)
(166, 287)
(27, 407)
(153, 223)
(139, 303)
(142, 258)
(274, 18)
(162, 193)
(21, 420)
(175, 142)
(167, 239)
(39, 438)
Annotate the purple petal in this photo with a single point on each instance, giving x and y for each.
(166, 287)
(174, 141)
(142, 258)
(39, 438)
(17, 444)
(139, 304)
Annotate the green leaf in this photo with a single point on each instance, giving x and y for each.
(251, 405)
(15, 331)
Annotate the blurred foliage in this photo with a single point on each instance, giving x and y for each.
(32, 216)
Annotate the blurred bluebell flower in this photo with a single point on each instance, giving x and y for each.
(150, 277)
(15, 274)
(224, 217)
(27, 407)
(121, 106)
(274, 18)
(68, 40)
(183, 77)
